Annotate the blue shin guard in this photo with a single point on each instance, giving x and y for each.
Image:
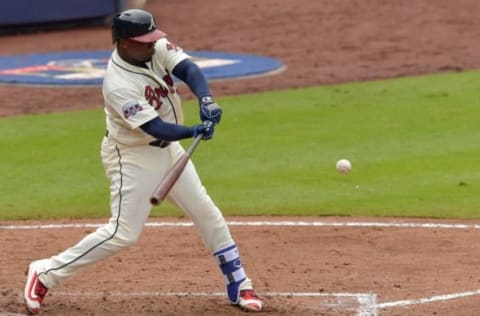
(229, 261)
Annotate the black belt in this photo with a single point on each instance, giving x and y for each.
(159, 143)
(155, 143)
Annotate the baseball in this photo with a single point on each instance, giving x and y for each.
(344, 166)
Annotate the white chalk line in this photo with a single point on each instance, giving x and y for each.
(436, 298)
(205, 294)
(260, 223)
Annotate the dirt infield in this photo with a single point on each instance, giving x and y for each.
(302, 266)
(335, 267)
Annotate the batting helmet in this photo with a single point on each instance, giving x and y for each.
(135, 24)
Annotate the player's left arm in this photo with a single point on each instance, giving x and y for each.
(192, 75)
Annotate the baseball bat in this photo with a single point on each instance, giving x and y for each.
(172, 175)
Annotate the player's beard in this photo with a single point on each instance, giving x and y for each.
(149, 58)
(137, 54)
(142, 62)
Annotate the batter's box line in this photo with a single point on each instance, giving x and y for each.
(425, 300)
(387, 224)
(367, 302)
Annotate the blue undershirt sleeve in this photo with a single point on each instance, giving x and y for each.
(167, 131)
(192, 75)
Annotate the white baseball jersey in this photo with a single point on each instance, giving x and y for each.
(135, 95)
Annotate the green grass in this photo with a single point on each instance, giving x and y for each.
(51, 166)
(413, 143)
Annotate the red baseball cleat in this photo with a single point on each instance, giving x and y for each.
(249, 301)
(34, 291)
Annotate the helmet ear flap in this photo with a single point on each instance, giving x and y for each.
(115, 29)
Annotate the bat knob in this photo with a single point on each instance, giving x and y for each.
(154, 201)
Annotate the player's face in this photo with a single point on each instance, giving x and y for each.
(137, 52)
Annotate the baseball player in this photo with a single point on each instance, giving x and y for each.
(144, 125)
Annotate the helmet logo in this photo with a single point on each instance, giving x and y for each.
(152, 24)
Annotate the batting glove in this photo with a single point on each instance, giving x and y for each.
(206, 128)
(209, 110)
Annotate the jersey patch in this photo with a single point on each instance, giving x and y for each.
(131, 108)
(171, 46)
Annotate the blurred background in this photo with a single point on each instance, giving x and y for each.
(33, 16)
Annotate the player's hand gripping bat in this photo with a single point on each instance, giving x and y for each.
(171, 177)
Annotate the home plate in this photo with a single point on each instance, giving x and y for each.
(358, 304)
